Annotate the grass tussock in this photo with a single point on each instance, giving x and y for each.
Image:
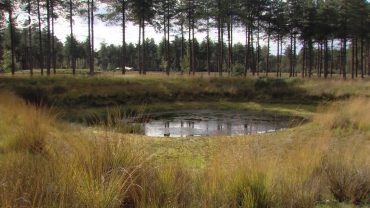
(42, 165)
(47, 163)
(30, 126)
(346, 168)
(353, 117)
(116, 120)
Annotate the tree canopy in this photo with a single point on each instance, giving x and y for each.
(319, 37)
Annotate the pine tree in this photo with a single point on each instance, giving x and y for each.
(116, 14)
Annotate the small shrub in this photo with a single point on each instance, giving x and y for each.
(185, 65)
(34, 94)
(347, 182)
(59, 89)
(6, 64)
(238, 69)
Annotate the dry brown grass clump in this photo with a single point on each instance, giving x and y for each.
(47, 164)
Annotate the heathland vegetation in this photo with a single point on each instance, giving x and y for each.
(80, 97)
(47, 162)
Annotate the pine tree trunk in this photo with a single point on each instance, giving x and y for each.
(326, 59)
(246, 50)
(291, 56)
(362, 58)
(123, 37)
(40, 38)
(144, 49)
(53, 38)
(332, 58)
(165, 41)
(208, 57)
(277, 56)
(303, 72)
(25, 51)
(258, 49)
(231, 45)
(320, 59)
(2, 25)
(268, 55)
(281, 54)
(219, 46)
(89, 36)
(72, 38)
(182, 44)
(12, 41)
(368, 58)
(139, 50)
(229, 48)
(29, 49)
(193, 47)
(92, 63)
(310, 51)
(317, 60)
(252, 50)
(222, 48)
(295, 55)
(353, 59)
(168, 41)
(356, 55)
(344, 59)
(48, 51)
(190, 44)
(340, 58)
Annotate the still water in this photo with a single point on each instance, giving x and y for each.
(211, 122)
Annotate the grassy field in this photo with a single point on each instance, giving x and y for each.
(48, 162)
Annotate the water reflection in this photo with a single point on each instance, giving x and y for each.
(207, 123)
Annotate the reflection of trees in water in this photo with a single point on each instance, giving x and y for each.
(229, 128)
(233, 126)
(166, 124)
(188, 128)
(219, 127)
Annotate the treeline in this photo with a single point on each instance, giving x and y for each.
(312, 37)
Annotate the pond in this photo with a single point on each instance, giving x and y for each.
(197, 123)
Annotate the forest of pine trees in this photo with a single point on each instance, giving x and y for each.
(297, 37)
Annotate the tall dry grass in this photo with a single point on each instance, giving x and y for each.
(47, 163)
(44, 163)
